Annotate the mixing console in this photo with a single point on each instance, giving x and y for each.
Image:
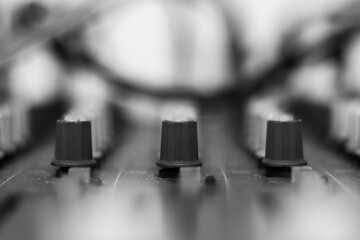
(126, 193)
(96, 156)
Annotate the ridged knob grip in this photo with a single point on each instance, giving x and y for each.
(179, 144)
(284, 144)
(73, 144)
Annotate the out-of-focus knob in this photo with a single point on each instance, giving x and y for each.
(353, 127)
(20, 126)
(339, 114)
(6, 139)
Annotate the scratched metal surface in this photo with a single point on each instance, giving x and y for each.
(28, 183)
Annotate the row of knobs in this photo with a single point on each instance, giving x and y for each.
(273, 135)
(75, 146)
(82, 137)
(345, 124)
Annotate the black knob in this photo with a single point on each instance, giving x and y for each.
(284, 146)
(179, 145)
(73, 144)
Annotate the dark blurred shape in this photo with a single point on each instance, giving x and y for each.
(284, 147)
(179, 145)
(69, 48)
(30, 16)
(73, 144)
(169, 172)
(8, 205)
(210, 180)
(42, 118)
(315, 117)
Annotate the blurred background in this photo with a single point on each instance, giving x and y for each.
(155, 50)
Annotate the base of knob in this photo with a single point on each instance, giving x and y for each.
(178, 164)
(73, 163)
(283, 163)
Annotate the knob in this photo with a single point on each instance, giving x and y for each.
(73, 144)
(179, 145)
(353, 141)
(20, 126)
(338, 127)
(284, 146)
(6, 137)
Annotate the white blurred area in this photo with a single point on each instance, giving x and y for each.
(87, 89)
(315, 82)
(263, 25)
(164, 44)
(310, 210)
(352, 71)
(179, 111)
(35, 78)
(185, 45)
(124, 211)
